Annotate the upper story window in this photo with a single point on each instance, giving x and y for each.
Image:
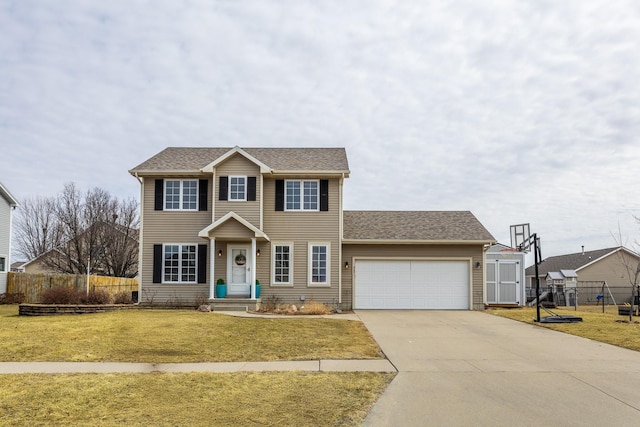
(302, 195)
(181, 194)
(238, 188)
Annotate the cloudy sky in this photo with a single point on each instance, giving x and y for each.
(519, 111)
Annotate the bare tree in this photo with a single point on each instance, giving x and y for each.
(95, 232)
(37, 229)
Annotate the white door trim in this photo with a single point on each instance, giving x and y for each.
(239, 289)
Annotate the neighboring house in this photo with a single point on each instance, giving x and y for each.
(125, 243)
(505, 276)
(7, 204)
(594, 269)
(16, 267)
(276, 215)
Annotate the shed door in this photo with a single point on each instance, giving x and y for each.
(411, 284)
(502, 282)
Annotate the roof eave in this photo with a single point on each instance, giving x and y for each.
(164, 172)
(13, 202)
(416, 242)
(344, 173)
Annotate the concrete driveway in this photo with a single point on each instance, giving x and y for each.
(465, 368)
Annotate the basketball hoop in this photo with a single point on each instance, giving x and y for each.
(509, 253)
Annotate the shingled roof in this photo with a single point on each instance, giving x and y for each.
(574, 261)
(431, 226)
(192, 160)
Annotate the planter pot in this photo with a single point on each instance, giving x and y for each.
(257, 291)
(221, 291)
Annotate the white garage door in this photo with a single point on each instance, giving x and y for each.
(400, 284)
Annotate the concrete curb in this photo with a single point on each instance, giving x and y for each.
(375, 365)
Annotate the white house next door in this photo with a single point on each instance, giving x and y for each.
(239, 270)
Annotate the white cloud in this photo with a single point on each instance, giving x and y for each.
(518, 111)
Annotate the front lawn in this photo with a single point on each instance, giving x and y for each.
(264, 399)
(174, 336)
(606, 327)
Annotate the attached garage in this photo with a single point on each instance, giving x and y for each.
(412, 284)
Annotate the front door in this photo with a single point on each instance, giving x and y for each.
(239, 270)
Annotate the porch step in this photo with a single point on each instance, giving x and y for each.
(234, 304)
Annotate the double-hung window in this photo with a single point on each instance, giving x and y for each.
(282, 264)
(318, 264)
(181, 194)
(179, 263)
(238, 188)
(302, 195)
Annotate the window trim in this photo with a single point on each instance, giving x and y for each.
(302, 208)
(180, 272)
(273, 264)
(310, 282)
(244, 189)
(181, 195)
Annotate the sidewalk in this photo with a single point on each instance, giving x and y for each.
(375, 365)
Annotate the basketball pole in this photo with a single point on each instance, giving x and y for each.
(532, 240)
(536, 262)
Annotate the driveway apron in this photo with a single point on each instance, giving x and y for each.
(468, 368)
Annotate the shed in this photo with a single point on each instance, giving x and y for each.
(504, 281)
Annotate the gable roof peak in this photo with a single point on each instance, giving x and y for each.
(236, 150)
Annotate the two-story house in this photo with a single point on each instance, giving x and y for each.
(7, 204)
(276, 215)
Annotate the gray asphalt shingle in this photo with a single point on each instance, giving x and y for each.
(414, 225)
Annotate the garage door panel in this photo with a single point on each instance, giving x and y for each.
(411, 284)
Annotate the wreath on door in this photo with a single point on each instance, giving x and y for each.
(240, 259)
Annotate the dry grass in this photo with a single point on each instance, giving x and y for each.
(606, 327)
(266, 399)
(165, 336)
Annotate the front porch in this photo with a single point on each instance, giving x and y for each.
(235, 304)
(233, 261)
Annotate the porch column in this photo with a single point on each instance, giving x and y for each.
(212, 270)
(253, 268)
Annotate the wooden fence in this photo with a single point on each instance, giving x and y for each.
(32, 285)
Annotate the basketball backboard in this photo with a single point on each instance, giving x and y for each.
(520, 234)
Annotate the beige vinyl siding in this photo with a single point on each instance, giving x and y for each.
(238, 166)
(232, 229)
(472, 252)
(162, 227)
(301, 228)
(610, 269)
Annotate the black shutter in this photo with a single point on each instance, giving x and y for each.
(224, 188)
(251, 189)
(157, 263)
(324, 194)
(202, 263)
(159, 197)
(279, 194)
(203, 191)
